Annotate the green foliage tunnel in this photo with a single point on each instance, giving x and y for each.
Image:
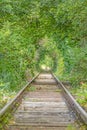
(34, 33)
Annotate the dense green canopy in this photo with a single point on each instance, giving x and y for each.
(42, 32)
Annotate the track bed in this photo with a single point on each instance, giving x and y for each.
(43, 107)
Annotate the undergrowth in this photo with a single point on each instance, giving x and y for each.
(80, 93)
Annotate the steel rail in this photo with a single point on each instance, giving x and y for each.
(14, 100)
(80, 112)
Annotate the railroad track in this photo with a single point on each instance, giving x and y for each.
(43, 104)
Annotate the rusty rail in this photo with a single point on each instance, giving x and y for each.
(80, 112)
(15, 100)
(74, 105)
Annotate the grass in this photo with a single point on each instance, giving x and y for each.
(5, 97)
(80, 94)
(31, 88)
(70, 127)
(58, 90)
